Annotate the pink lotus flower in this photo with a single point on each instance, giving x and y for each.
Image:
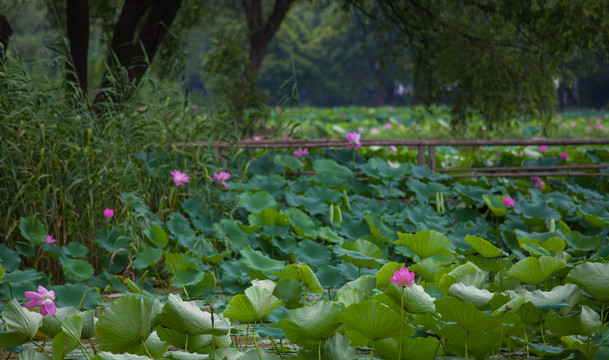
(537, 182)
(179, 177)
(559, 116)
(508, 201)
(50, 239)
(287, 138)
(341, 114)
(221, 177)
(573, 124)
(521, 153)
(108, 213)
(374, 130)
(400, 127)
(42, 298)
(543, 148)
(387, 126)
(403, 277)
(354, 140)
(300, 152)
(258, 138)
(564, 155)
(390, 108)
(394, 149)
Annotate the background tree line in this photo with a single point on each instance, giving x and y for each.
(494, 57)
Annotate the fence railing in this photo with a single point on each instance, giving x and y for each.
(426, 153)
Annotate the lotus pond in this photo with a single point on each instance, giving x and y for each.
(266, 264)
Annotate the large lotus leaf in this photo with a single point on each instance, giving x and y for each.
(357, 290)
(473, 195)
(127, 323)
(20, 324)
(425, 243)
(560, 297)
(287, 161)
(532, 270)
(183, 340)
(255, 304)
(112, 239)
(479, 344)
(380, 169)
(150, 256)
(255, 202)
(578, 241)
(372, 319)
(330, 174)
(412, 348)
(32, 230)
(267, 217)
(323, 194)
(309, 279)
(469, 293)
(179, 226)
(361, 253)
(77, 295)
(589, 349)
(483, 247)
(535, 211)
(307, 325)
(32, 354)
(78, 270)
(426, 269)
(416, 300)
(468, 274)
(158, 236)
(423, 191)
(105, 355)
(465, 314)
(64, 342)
(256, 260)
(386, 271)
(327, 234)
(593, 278)
(311, 205)
(495, 204)
(594, 220)
(182, 355)
(581, 324)
(51, 326)
(378, 228)
(554, 244)
(187, 318)
(231, 231)
(302, 223)
(313, 253)
(338, 348)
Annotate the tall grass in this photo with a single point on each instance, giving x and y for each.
(65, 164)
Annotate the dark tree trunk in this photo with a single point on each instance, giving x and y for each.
(5, 34)
(260, 32)
(77, 12)
(133, 45)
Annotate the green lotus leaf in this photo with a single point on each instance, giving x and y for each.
(575, 324)
(464, 314)
(372, 319)
(594, 220)
(187, 318)
(20, 324)
(560, 297)
(361, 253)
(127, 323)
(330, 174)
(183, 340)
(32, 354)
(32, 230)
(148, 257)
(254, 259)
(423, 191)
(380, 169)
(237, 238)
(309, 279)
(104, 355)
(302, 223)
(254, 305)
(378, 228)
(158, 236)
(532, 270)
(338, 348)
(593, 278)
(412, 348)
(112, 239)
(325, 233)
(426, 269)
(386, 272)
(425, 243)
(469, 293)
(495, 204)
(255, 202)
(589, 348)
(78, 270)
(578, 241)
(483, 247)
(468, 274)
(512, 305)
(182, 355)
(313, 253)
(288, 161)
(64, 342)
(268, 217)
(76, 250)
(554, 244)
(416, 300)
(180, 226)
(305, 326)
(479, 344)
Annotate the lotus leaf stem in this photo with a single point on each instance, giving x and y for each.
(401, 324)
(255, 342)
(85, 352)
(319, 350)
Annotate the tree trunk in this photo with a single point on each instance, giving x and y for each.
(5, 34)
(77, 12)
(133, 45)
